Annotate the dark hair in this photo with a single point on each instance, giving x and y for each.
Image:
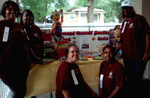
(6, 5)
(111, 48)
(30, 13)
(133, 13)
(68, 47)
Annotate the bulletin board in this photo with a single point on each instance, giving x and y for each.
(86, 41)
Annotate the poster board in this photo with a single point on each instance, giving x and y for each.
(91, 38)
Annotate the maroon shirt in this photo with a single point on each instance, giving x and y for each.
(133, 38)
(64, 81)
(14, 54)
(36, 40)
(113, 76)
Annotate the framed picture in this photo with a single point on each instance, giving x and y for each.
(84, 43)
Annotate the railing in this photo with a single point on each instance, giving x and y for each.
(80, 27)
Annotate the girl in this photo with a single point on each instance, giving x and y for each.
(111, 74)
(14, 54)
(35, 36)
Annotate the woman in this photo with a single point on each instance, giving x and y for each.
(34, 33)
(111, 75)
(135, 34)
(14, 55)
(69, 80)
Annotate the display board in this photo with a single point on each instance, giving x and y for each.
(86, 41)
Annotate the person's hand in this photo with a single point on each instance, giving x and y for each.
(146, 56)
(39, 60)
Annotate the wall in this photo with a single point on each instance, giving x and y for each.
(138, 6)
(68, 20)
(145, 10)
(142, 7)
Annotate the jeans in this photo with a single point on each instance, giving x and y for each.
(134, 73)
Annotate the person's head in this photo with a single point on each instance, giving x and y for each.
(109, 53)
(10, 10)
(27, 18)
(72, 53)
(127, 9)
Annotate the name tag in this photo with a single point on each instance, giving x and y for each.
(74, 77)
(6, 34)
(26, 34)
(101, 80)
(124, 27)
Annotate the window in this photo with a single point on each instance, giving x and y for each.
(83, 16)
(95, 17)
(72, 16)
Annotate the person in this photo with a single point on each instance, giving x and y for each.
(111, 76)
(35, 36)
(69, 80)
(135, 47)
(14, 52)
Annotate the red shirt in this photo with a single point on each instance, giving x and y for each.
(36, 40)
(133, 38)
(64, 81)
(14, 54)
(113, 76)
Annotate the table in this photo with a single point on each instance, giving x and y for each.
(42, 77)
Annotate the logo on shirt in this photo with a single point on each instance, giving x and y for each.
(36, 35)
(110, 75)
(131, 25)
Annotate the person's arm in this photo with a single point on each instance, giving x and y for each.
(146, 54)
(66, 93)
(114, 92)
(38, 60)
